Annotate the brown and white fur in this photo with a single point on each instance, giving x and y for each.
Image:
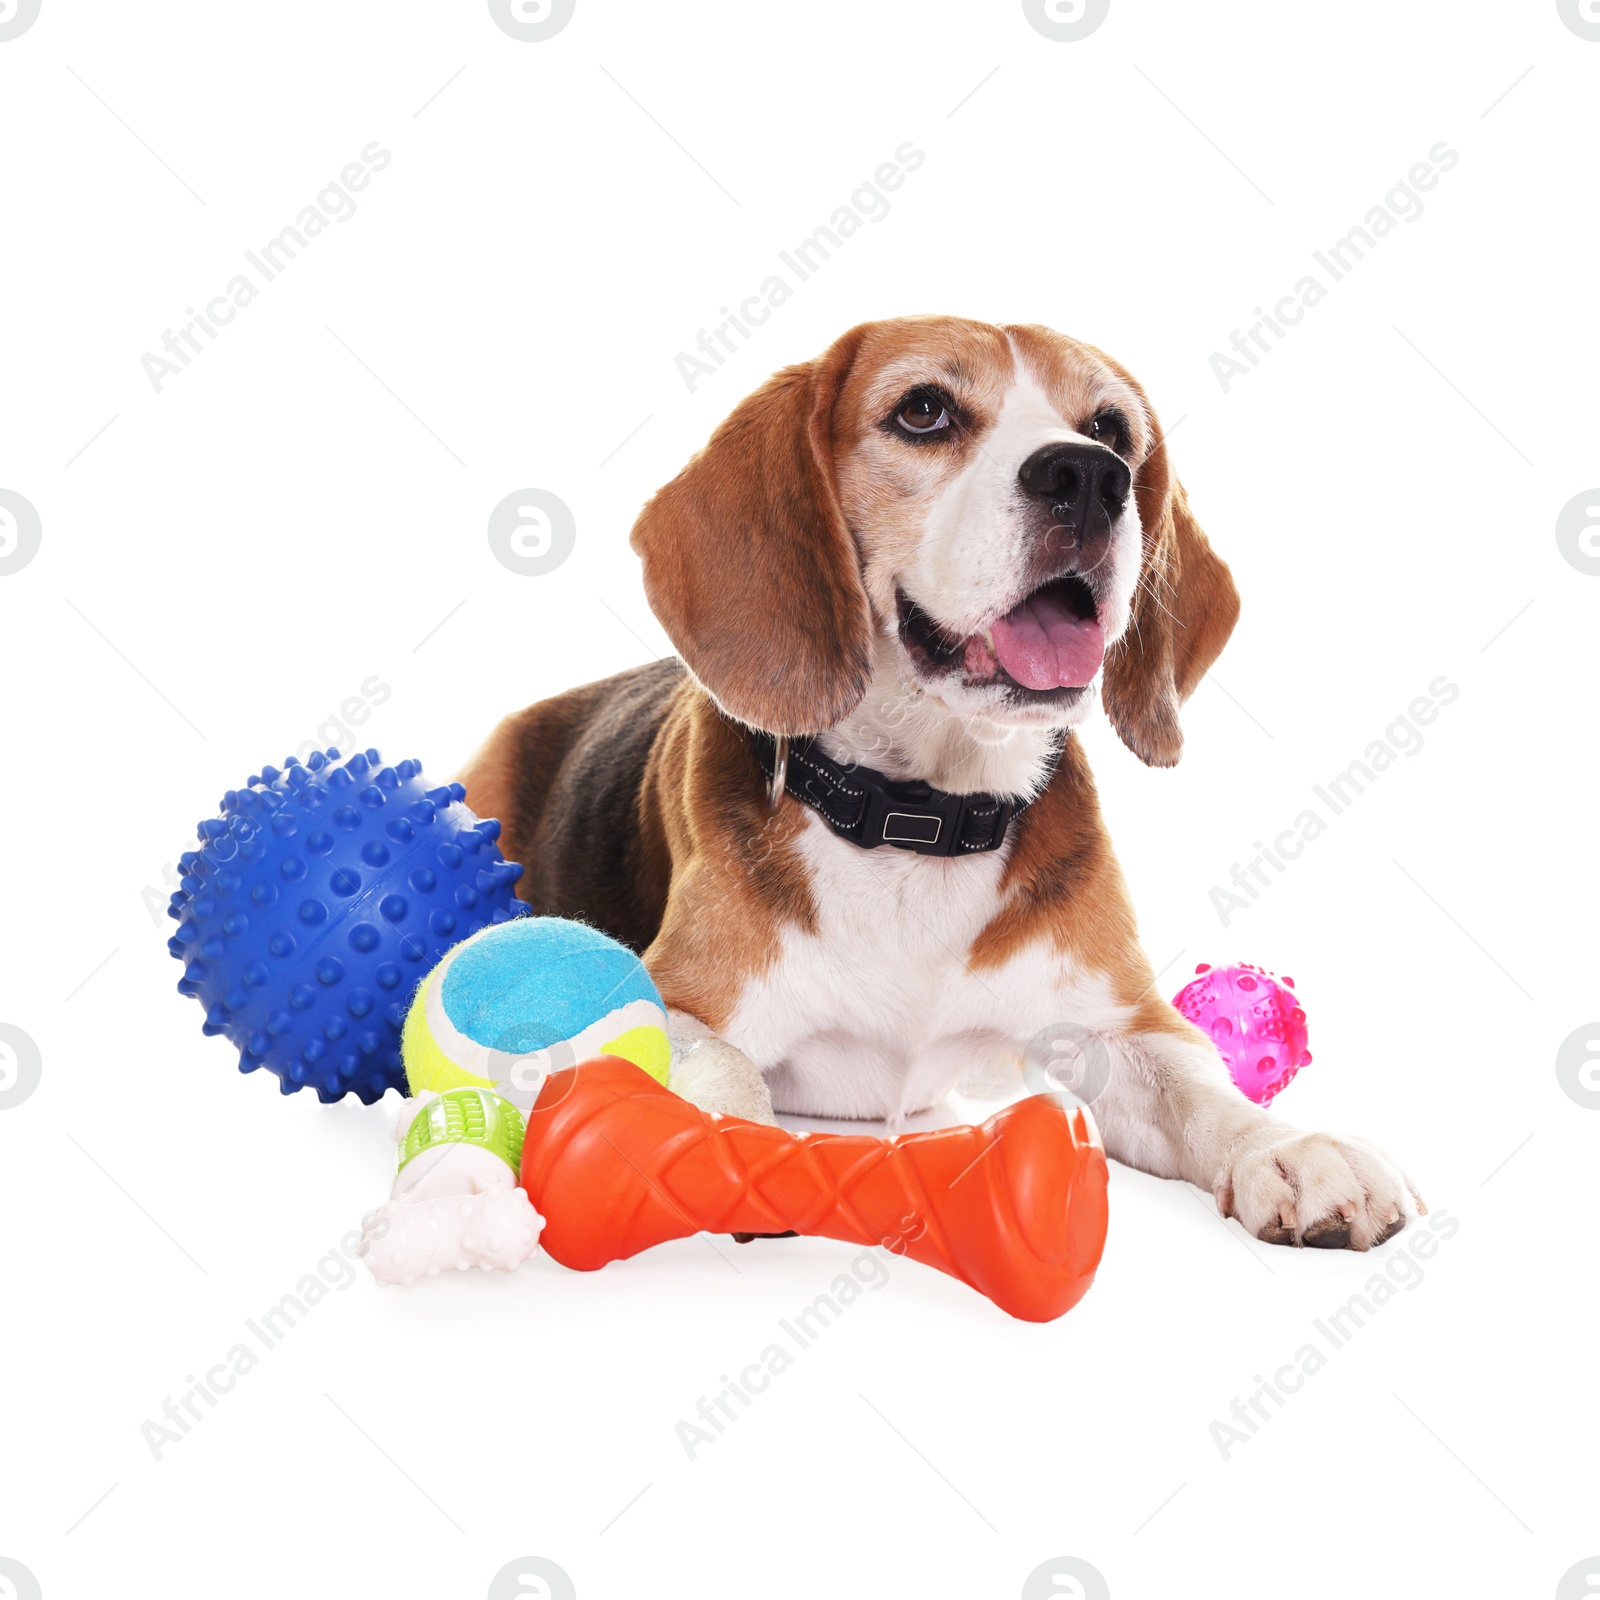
(788, 562)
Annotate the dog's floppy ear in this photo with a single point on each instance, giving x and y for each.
(1183, 611)
(750, 567)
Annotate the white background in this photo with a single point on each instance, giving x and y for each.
(304, 509)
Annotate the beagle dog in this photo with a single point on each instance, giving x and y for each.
(850, 830)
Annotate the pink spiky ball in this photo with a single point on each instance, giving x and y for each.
(1255, 1020)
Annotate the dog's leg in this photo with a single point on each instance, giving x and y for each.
(712, 1074)
(1169, 1107)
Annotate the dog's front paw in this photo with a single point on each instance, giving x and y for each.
(1312, 1189)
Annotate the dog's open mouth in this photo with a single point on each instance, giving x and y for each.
(1051, 640)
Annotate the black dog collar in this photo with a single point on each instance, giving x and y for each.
(869, 808)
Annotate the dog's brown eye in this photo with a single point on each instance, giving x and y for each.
(923, 413)
(1107, 429)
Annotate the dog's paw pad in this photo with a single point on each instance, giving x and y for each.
(1331, 1233)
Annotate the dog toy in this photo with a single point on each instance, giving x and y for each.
(456, 1202)
(1015, 1208)
(1254, 1019)
(519, 1000)
(319, 896)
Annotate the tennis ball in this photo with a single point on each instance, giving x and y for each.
(527, 997)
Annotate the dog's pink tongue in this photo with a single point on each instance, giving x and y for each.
(1044, 646)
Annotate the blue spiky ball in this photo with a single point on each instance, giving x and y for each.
(320, 896)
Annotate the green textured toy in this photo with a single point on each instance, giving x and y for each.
(527, 997)
(456, 1201)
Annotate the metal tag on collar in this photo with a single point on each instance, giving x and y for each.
(780, 770)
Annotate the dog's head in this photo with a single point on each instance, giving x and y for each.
(996, 501)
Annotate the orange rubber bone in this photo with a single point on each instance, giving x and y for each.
(1015, 1207)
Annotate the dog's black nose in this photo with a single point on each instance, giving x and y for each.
(1079, 490)
(1083, 478)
